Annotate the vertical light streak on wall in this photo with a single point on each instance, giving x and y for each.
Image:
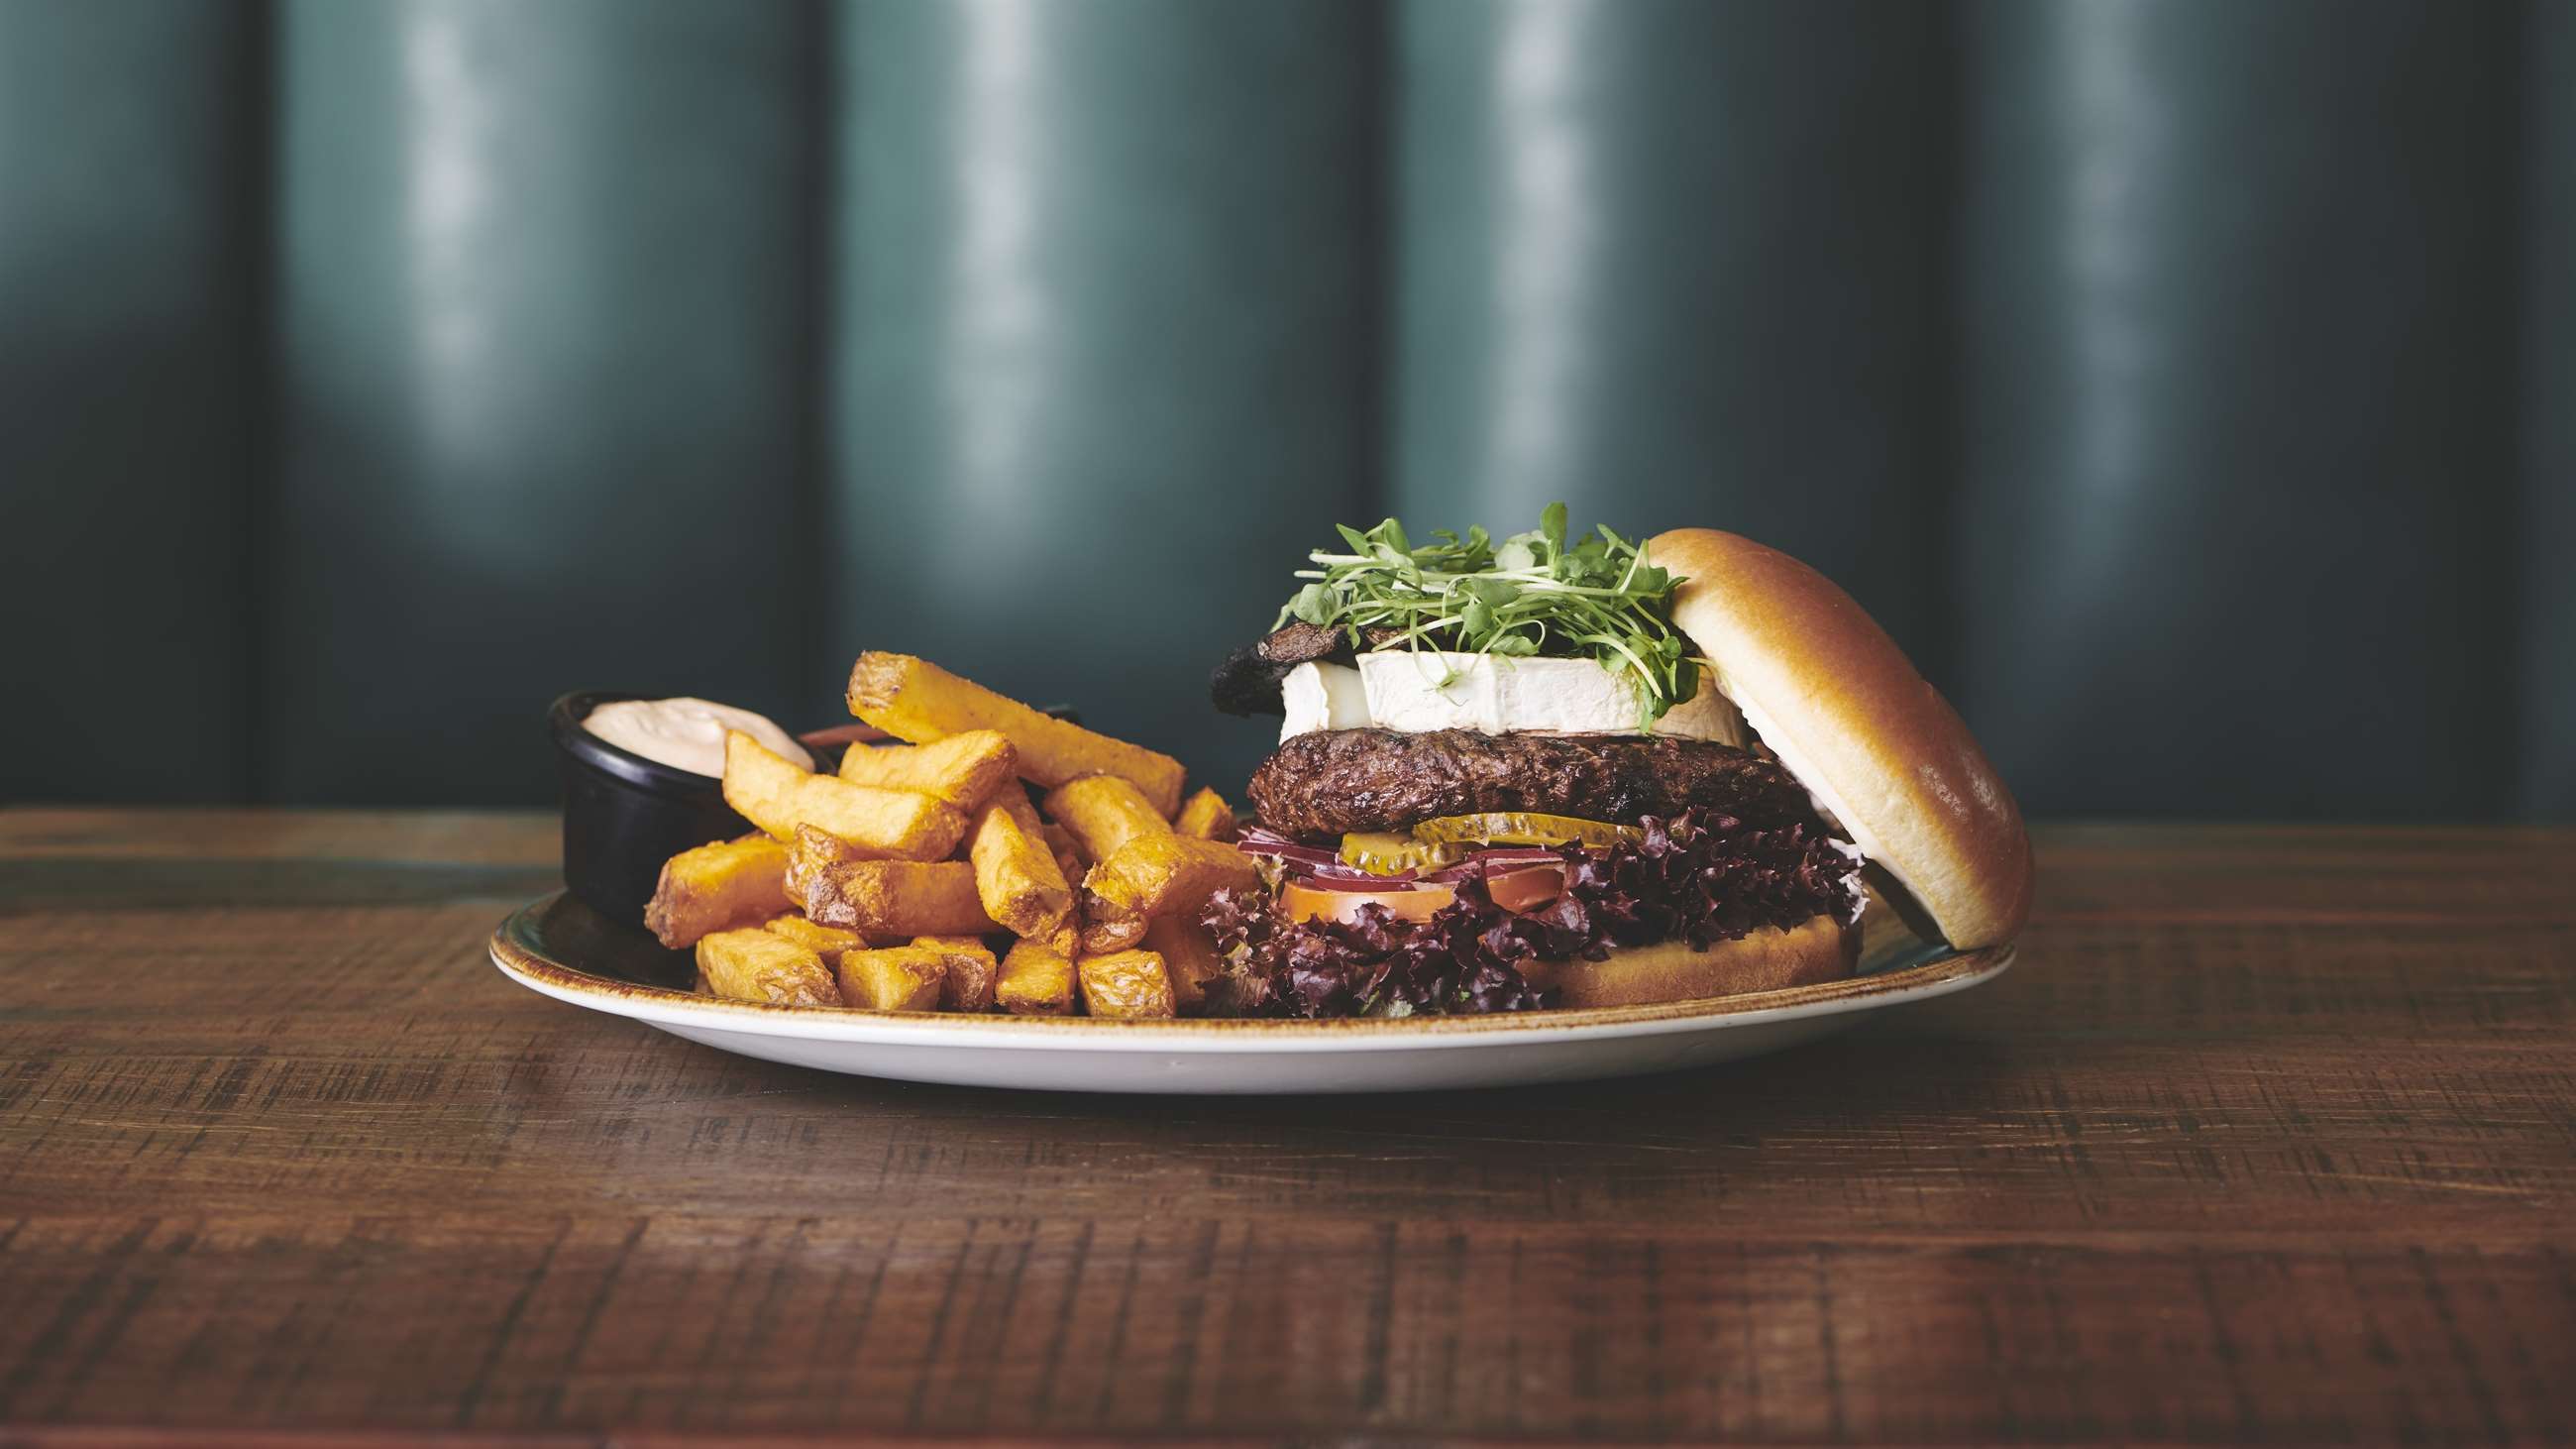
(452, 132)
(995, 386)
(1547, 235)
(2118, 143)
(2548, 426)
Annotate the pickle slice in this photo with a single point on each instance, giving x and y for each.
(1387, 852)
(1522, 827)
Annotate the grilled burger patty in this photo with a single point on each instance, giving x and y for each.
(1332, 781)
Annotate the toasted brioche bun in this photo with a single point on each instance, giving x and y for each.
(1837, 701)
(1822, 949)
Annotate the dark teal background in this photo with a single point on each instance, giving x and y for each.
(2191, 386)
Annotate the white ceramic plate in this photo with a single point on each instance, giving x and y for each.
(564, 949)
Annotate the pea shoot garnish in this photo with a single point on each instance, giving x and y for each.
(1536, 594)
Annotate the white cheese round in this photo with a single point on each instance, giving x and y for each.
(1400, 690)
(1323, 697)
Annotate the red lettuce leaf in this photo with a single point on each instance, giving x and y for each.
(1701, 877)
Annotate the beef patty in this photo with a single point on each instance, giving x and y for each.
(1331, 781)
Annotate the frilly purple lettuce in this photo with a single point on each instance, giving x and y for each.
(1703, 877)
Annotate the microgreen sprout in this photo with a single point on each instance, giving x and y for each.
(1536, 594)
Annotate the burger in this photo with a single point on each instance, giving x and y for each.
(1586, 771)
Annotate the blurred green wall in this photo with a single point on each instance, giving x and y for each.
(2189, 385)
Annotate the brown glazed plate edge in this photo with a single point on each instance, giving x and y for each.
(519, 950)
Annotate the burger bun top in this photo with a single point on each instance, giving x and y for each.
(1834, 698)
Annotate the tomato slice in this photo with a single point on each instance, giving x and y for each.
(1514, 890)
(1526, 889)
(1299, 901)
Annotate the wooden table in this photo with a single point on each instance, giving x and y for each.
(2271, 1135)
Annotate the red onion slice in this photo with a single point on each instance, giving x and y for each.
(1356, 883)
(1337, 870)
(1486, 861)
(1287, 850)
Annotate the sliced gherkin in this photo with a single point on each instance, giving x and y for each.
(1387, 852)
(1521, 827)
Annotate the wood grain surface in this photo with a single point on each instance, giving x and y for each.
(2270, 1136)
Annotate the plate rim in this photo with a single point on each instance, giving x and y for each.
(662, 1006)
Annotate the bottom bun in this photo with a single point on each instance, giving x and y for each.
(1823, 949)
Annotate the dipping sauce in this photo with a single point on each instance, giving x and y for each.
(686, 734)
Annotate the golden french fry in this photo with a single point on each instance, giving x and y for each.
(1154, 875)
(1130, 984)
(1017, 802)
(811, 852)
(915, 700)
(1189, 958)
(902, 898)
(827, 942)
(772, 793)
(1107, 929)
(1104, 812)
(1066, 850)
(715, 887)
(971, 969)
(1016, 876)
(755, 965)
(815, 851)
(1038, 976)
(1208, 817)
(896, 978)
(963, 770)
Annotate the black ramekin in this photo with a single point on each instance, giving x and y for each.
(623, 815)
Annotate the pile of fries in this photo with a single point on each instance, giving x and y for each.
(1000, 858)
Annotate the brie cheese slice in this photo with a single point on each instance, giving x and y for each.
(1323, 697)
(1416, 693)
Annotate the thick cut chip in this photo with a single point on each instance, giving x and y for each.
(814, 854)
(1016, 876)
(1189, 958)
(1155, 875)
(971, 969)
(1208, 817)
(755, 965)
(1104, 812)
(963, 770)
(1067, 850)
(903, 898)
(772, 793)
(717, 887)
(1129, 984)
(824, 941)
(915, 700)
(1109, 929)
(896, 978)
(811, 852)
(1038, 976)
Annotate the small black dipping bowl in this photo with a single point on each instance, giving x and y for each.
(623, 815)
